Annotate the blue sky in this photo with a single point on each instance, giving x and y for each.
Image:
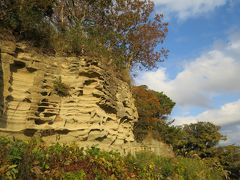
(202, 72)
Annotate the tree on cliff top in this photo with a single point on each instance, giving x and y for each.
(152, 104)
(123, 27)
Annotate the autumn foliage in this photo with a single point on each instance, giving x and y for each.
(125, 30)
(152, 104)
(153, 109)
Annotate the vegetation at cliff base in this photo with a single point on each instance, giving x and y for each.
(34, 160)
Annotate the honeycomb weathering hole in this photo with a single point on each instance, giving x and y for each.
(17, 65)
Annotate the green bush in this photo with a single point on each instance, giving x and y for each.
(16, 151)
(61, 88)
(149, 166)
(79, 175)
(194, 168)
(143, 165)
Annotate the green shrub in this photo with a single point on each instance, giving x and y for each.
(16, 151)
(9, 152)
(195, 168)
(61, 88)
(150, 166)
(80, 175)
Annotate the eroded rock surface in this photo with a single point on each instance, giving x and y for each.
(99, 107)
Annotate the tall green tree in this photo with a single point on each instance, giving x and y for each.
(199, 138)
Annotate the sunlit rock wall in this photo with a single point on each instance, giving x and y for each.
(98, 109)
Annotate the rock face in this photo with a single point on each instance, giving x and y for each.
(98, 107)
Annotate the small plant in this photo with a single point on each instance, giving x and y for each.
(16, 151)
(80, 175)
(61, 88)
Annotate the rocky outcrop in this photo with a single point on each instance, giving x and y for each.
(98, 107)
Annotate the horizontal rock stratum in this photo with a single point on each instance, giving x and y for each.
(99, 107)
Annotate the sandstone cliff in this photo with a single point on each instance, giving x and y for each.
(98, 107)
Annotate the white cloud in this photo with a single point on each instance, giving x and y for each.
(233, 133)
(227, 114)
(184, 9)
(214, 73)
